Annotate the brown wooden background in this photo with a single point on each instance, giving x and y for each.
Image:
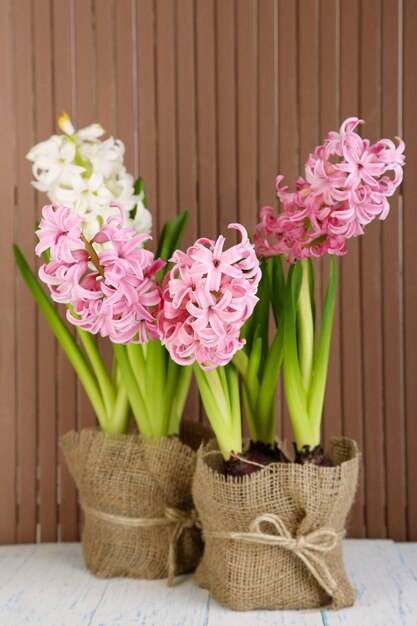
(213, 98)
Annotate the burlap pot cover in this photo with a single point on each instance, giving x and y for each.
(136, 496)
(273, 538)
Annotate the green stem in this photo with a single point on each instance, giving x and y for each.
(222, 417)
(137, 401)
(305, 328)
(213, 380)
(248, 370)
(155, 376)
(121, 412)
(295, 392)
(97, 363)
(265, 408)
(241, 362)
(233, 384)
(138, 364)
(179, 396)
(321, 361)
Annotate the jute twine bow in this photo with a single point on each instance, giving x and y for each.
(180, 520)
(309, 548)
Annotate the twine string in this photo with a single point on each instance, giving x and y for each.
(178, 519)
(310, 548)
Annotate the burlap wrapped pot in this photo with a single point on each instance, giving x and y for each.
(273, 539)
(136, 497)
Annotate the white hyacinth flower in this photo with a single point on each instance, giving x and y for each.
(53, 163)
(106, 156)
(86, 174)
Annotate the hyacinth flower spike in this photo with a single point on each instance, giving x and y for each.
(85, 173)
(110, 285)
(347, 184)
(207, 297)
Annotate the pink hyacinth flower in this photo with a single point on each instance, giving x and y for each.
(207, 297)
(346, 186)
(113, 292)
(59, 231)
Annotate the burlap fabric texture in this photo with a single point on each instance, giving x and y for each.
(273, 539)
(136, 496)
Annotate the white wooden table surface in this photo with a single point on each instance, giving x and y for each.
(49, 585)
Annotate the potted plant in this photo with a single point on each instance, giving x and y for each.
(135, 487)
(273, 528)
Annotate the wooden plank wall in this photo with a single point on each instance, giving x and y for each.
(213, 98)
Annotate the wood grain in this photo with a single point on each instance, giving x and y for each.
(47, 348)
(206, 118)
(370, 283)
(227, 122)
(246, 39)
(63, 42)
(410, 261)
(213, 99)
(49, 584)
(393, 381)
(146, 85)
(25, 306)
(267, 94)
(7, 304)
(166, 109)
(349, 274)
(125, 80)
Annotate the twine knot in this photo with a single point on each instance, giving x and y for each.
(310, 548)
(179, 519)
(186, 518)
(182, 520)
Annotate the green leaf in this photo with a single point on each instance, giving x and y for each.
(236, 414)
(64, 337)
(182, 375)
(171, 236)
(104, 381)
(305, 326)
(293, 382)
(138, 364)
(255, 359)
(251, 386)
(321, 361)
(170, 239)
(259, 320)
(223, 424)
(136, 399)
(311, 283)
(154, 396)
(121, 411)
(277, 288)
(139, 188)
(295, 278)
(265, 409)
(241, 361)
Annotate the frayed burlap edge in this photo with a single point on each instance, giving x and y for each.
(304, 501)
(147, 482)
